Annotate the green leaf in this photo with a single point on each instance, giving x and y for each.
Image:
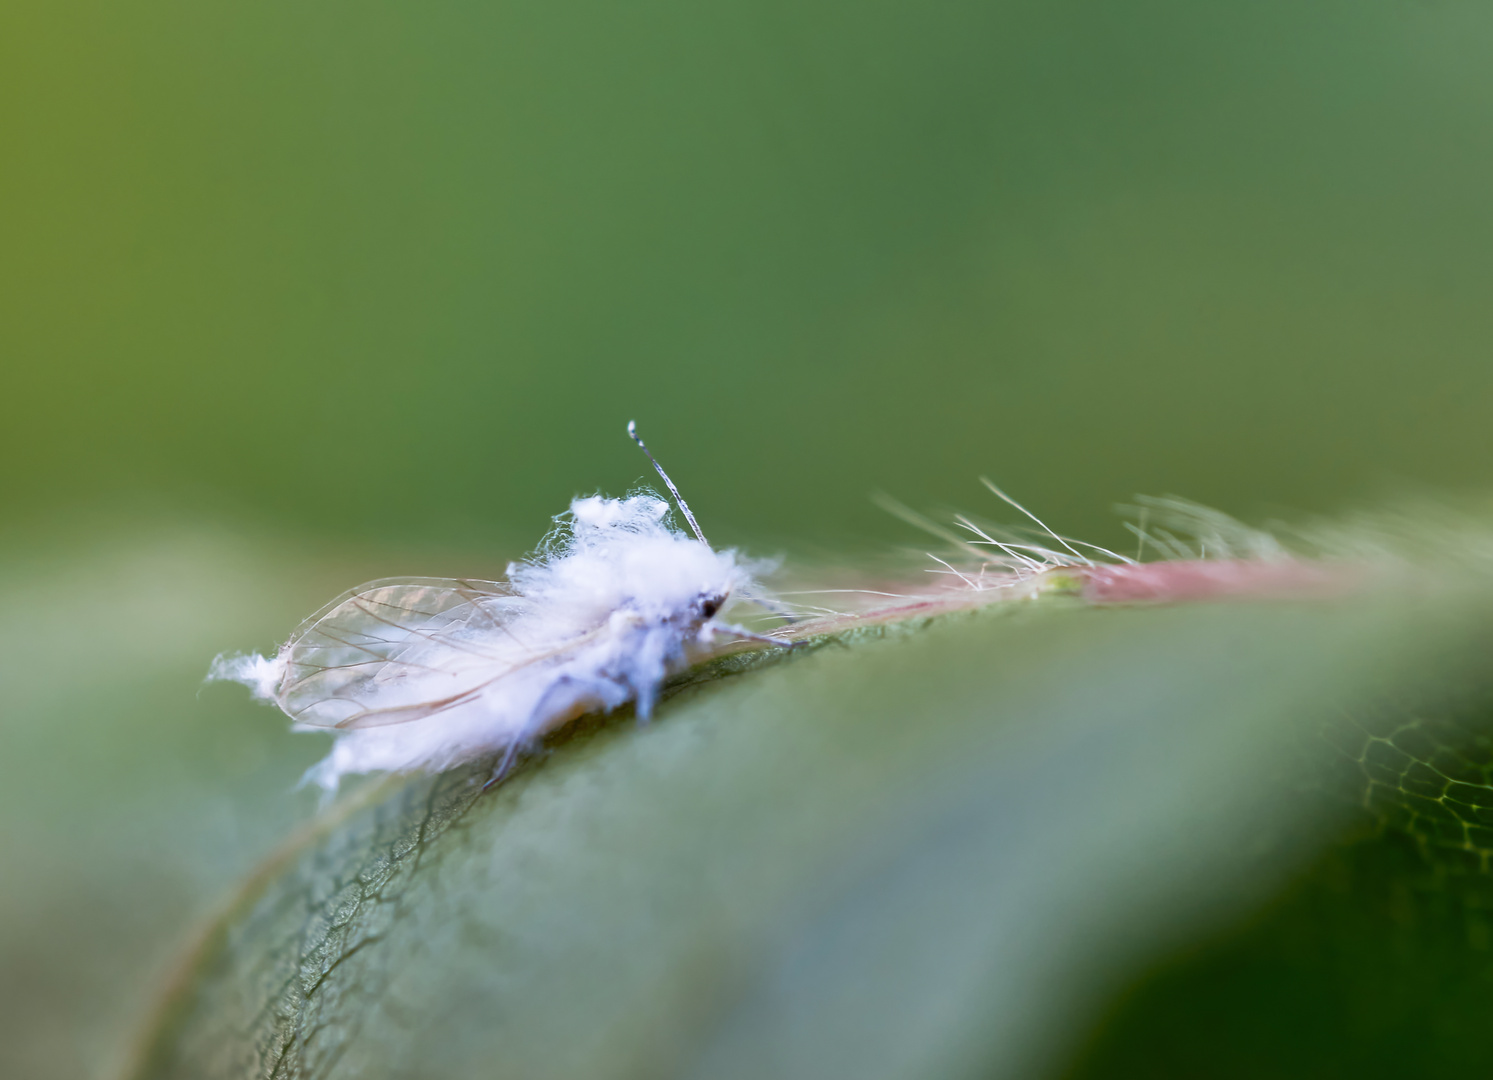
(930, 850)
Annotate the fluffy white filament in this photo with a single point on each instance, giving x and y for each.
(613, 602)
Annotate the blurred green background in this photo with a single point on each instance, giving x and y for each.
(294, 294)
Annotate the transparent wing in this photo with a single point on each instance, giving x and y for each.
(402, 649)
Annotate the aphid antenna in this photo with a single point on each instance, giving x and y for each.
(632, 429)
(728, 629)
(868, 592)
(831, 613)
(767, 603)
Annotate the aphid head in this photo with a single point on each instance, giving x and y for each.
(711, 598)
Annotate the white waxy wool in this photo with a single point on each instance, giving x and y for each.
(424, 674)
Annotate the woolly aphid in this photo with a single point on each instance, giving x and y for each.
(423, 674)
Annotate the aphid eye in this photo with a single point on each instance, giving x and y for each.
(710, 607)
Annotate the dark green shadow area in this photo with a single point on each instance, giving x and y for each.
(1373, 965)
(1376, 962)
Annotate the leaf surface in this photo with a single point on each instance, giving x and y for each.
(928, 851)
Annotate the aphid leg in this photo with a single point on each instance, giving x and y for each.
(731, 630)
(509, 756)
